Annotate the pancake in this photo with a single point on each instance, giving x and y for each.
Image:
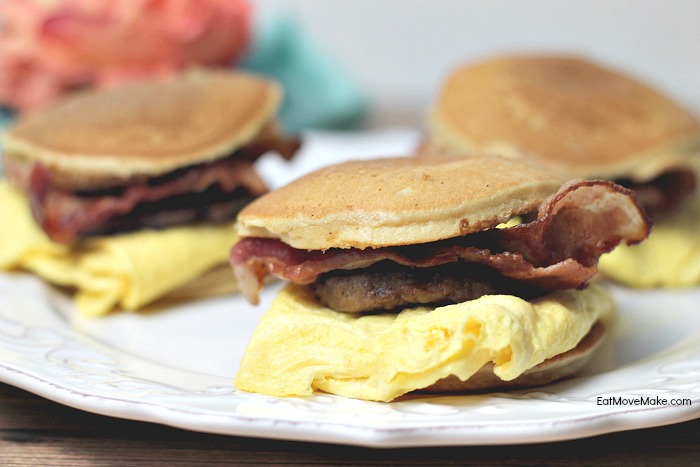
(555, 368)
(397, 201)
(586, 119)
(100, 139)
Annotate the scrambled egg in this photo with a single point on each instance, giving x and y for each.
(126, 271)
(670, 257)
(300, 346)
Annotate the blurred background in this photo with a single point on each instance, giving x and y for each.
(400, 50)
(346, 64)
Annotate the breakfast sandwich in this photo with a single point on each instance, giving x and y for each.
(592, 122)
(432, 273)
(101, 183)
(150, 154)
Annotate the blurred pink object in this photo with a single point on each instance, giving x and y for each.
(51, 47)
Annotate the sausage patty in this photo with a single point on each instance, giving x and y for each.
(386, 286)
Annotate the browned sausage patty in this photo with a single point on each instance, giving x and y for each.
(386, 286)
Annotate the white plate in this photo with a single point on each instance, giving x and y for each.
(174, 366)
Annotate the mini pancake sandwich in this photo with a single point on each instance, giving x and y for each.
(409, 274)
(127, 194)
(152, 154)
(592, 122)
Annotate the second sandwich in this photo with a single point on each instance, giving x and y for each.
(428, 273)
(592, 121)
(128, 195)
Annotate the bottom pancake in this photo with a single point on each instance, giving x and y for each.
(553, 369)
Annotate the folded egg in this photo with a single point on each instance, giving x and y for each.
(126, 271)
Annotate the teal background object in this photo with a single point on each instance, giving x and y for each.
(6, 116)
(319, 94)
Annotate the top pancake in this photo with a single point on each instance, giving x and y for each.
(589, 120)
(98, 138)
(398, 201)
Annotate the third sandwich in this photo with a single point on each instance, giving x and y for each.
(128, 194)
(150, 154)
(592, 122)
(428, 274)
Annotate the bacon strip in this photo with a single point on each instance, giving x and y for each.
(663, 193)
(558, 250)
(64, 216)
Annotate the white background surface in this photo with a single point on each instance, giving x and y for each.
(401, 50)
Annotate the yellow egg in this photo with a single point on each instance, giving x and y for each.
(300, 346)
(670, 257)
(122, 271)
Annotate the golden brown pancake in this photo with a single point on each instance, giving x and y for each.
(398, 201)
(141, 130)
(587, 119)
(555, 368)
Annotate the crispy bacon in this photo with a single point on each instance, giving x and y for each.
(65, 215)
(558, 250)
(663, 193)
